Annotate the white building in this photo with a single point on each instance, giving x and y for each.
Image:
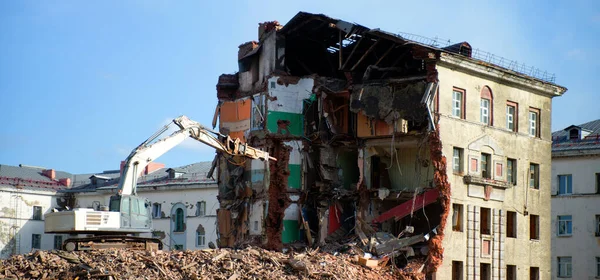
(576, 202)
(184, 203)
(26, 194)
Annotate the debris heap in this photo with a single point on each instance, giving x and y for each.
(249, 263)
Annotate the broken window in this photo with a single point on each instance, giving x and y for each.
(485, 220)
(457, 270)
(457, 217)
(511, 171)
(485, 165)
(565, 225)
(565, 184)
(511, 272)
(457, 162)
(512, 116)
(200, 208)
(36, 241)
(511, 224)
(484, 111)
(58, 239)
(485, 271)
(37, 213)
(534, 176)
(457, 103)
(534, 273)
(534, 122)
(534, 227)
(156, 210)
(564, 267)
(179, 220)
(200, 236)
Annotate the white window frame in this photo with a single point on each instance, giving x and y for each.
(568, 187)
(200, 239)
(484, 110)
(156, 210)
(565, 225)
(457, 103)
(565, 267)
(533, 123)
(510, 117)
(457, 156)
(201, 208)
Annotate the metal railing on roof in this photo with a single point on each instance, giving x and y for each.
(486, 56)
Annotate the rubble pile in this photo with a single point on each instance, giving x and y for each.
(249, 263)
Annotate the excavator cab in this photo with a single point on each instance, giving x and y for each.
(135, 211)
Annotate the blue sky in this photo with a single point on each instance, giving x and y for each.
(84, 82)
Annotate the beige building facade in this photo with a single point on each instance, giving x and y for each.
(575, 193)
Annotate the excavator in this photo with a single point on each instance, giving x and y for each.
(127, 215)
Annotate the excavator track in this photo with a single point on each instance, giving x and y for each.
(112, 242)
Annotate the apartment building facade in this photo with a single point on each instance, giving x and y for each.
(576, 202)
(372, 128)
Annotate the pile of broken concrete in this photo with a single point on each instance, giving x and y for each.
(248, 263)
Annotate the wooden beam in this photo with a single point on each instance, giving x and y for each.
(352, 53)
(409, 206)
(365, 55)
(385, 54)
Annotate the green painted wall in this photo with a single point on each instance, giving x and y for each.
(294, 180)
(295, 128)
(290, 231)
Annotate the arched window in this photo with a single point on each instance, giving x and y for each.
(486, 108)
(179, 220)
(200, 236)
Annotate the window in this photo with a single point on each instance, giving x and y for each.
(458, 97)
(58, 242)
(564, 267)
(474, 164)
(200, 208)
(200, 236)
(177, 247)
(37, 213)
(574, 134)
(565, 225)
(457, 217)
(156, 210)
(179, 220)
(534, 176)
(485, 220)
(565, 184)
(485, 165)
(511, 171)
(511, 272)
(484, 111)
(511, 224)
(36, 241)
(597, 225)
(457, 162)
(597, 266)
(499, 172)
(457, 270)
(485, 271)
(534, 122)
(255, 225)
(597, 183)
(534, 273)
(512, 116)
(534, 227)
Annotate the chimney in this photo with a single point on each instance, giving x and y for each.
(65, 182)
(121, 168)
(266, 27)
(153, 166)
(50, 173)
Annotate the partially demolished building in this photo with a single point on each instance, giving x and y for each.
(377, 133)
